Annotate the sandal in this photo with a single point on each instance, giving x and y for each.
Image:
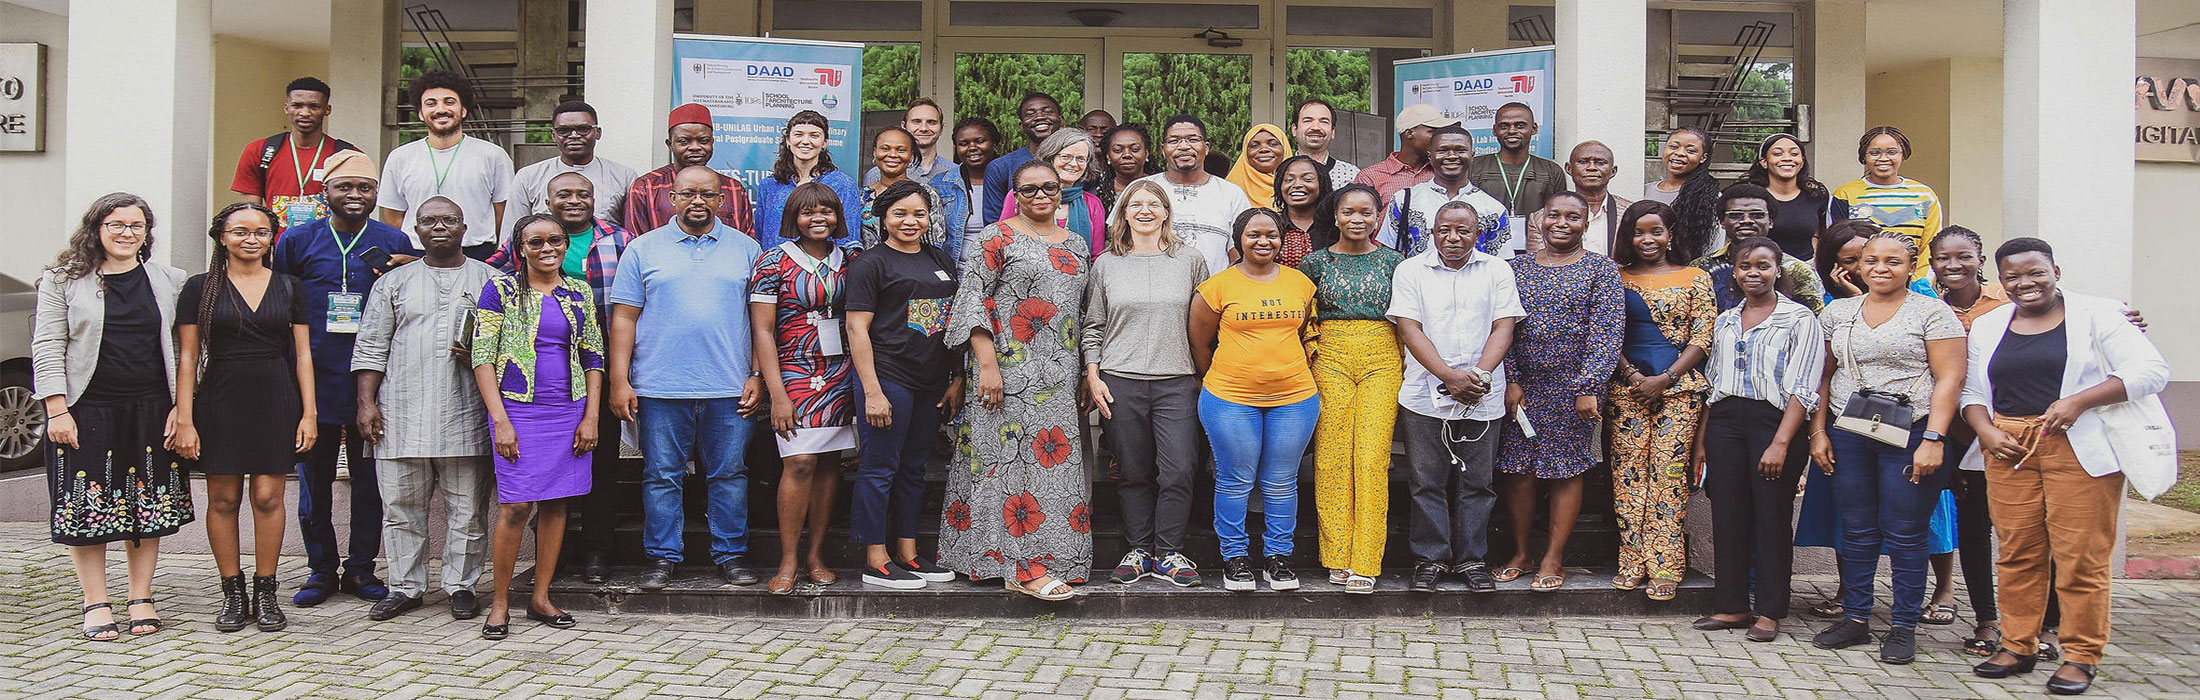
(1939, 615)
(1358, 584)
(1508, 574)
(1548, 582)
(1828, 609)
(782, 584)
(2049, 652)
(101, 633)
(1627, 582)
(1054, 590)
(137, 622)
(1662, 590)
(497, 632)
(1978, 644)
(823, 576)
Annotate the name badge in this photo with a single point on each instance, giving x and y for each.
(828, 334)
(942, 274)
(300, 212)
(343, 312)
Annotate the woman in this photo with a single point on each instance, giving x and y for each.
(538, 360)
(892, 151)
(1359, 369)
(1898, 204)
(802, 158)
(897, 297)
(1129, 155)
(105, 368)
(1563, 354)
(1767, 355)
(1657, 399)
(249, 325)
(1261, 153)
(1802, 208)
(1016, 500)
(1957, 257)
(2038, 368)
(1138, 370)
(1890, 343)
(1258, 400)
(795, 300)
(1069, 151)
(1299, 192)
(1689, 188)
(1837, 253)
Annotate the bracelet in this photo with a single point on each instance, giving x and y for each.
(57, 415)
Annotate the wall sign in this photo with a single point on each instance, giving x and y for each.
(22, 97)
(2167, 97)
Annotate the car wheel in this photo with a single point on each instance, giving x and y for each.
(22, 421)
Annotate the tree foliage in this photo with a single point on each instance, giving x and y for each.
(991, 84)
(890, 76)
(1342, 77)
(1217, 88)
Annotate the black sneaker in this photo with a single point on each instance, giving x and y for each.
(1425, 576)
(593, 570)
(1842, 635)
(392, 605)
(930, 571)
(736, 571)
(1279, 574)
(1477, 576)
(1237, 574)
(658, 575)
(892, 575)
(1899, 647)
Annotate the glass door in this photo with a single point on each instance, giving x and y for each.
(990, 76)
(1228, 88)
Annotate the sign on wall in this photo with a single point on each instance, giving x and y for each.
(752, 85)
(1471, 86)
(22, 97)
(2167, 97)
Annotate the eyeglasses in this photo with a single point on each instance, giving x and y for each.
(685, 195)
(118, 228)
(251, 232)
(582, 130)
(540, 242)
(1072, 160)
(1048, 190)
(440, 222)
(1184, 140)
(1883, 153)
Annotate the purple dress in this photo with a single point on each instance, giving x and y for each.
(547, 468)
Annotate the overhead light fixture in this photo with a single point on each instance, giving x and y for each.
(1095, 16)
(1219, 39)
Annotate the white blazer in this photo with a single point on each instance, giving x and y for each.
(2129, 356)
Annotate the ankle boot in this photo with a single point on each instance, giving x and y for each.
(266, 612)
(236, 609)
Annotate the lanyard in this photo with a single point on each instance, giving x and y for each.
(343, 252)
(444, 170)
(1512, 187)
(304, 171)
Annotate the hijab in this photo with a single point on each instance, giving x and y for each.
(1258, 186)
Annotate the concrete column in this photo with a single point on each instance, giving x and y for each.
(1833, 84)
(629, 78)
(140, 116)
(1602, 63)
(728, 17)
(542, 55)
(362, 67)
(2066, 100)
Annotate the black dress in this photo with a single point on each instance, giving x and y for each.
(120, 482)
(247, 407)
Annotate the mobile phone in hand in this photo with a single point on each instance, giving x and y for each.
(377, 258)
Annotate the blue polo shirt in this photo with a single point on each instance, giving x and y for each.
(310, 252)
(692, 340)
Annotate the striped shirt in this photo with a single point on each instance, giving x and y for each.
(430, 407)
(1908, 207)
(1782, 357)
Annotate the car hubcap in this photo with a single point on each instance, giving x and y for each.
(22, 422)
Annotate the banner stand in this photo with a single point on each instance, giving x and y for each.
(752, 85)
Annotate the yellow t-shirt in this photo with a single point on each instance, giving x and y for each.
(1259, 359)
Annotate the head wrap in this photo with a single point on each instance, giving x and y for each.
(1259, 187)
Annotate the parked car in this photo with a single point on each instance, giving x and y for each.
(22, 415)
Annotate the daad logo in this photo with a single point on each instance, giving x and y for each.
(829, 77)
(1523, 83)
(1475, 84)
(763, 71)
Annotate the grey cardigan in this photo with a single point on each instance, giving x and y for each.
(71, 316)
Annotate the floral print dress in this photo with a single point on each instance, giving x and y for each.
(1018, 501)
(1566, 347)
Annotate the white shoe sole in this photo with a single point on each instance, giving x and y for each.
(1284, 585)
(941, 577)
(1236, 585)
(898, 583)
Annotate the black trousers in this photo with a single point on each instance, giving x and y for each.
(1449, 481)
(599, 507)
(1155, 435)
(1751, 516)
(1974, 535)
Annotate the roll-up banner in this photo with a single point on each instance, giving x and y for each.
(1471, 86)
(753, 84)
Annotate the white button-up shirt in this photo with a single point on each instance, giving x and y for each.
(1455, 309)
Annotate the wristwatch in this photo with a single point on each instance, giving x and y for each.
(1932, 436)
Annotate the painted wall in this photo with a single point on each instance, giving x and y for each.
(1915, 100)
(31, 183)
(248, 103)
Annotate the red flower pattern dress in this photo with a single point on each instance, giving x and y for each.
(1017, 493)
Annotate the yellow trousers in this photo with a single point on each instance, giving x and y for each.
(1651, 443)
(1358, 370)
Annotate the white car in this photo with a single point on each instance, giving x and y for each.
(22, 416)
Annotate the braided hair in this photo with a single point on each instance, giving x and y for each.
(1953, 233)
(213, 286)
(1695, 207)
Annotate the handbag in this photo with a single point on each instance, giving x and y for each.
(1882, 416)
(2141, 437)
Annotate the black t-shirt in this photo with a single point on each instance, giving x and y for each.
(130, 366)
(908, 295)
(2027, 371)
(241, 332)
(1796, 222)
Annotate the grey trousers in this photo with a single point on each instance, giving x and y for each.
(466, 485)
(1155, 436)
(1448, 479)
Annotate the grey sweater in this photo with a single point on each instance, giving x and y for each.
(1137, 310)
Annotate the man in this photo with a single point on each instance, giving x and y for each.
(1314, 124)
(474, 173)
(1455, 307)
(1591, 168)
(1746, 210)
(573, 127)
(1096, 124)
(1408, 165)
(1512, 174)
(649, 204)
(572, 200)
(1407, 218)
(282, 172)
(681, 366)
(923, 120)
(1038, 115)
(429, 428)
(1202, 206)
(328, 258)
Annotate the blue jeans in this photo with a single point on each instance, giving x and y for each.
(890, 471)
(317, 502)
(1879, 507)
(1257, 442)
(715, 435)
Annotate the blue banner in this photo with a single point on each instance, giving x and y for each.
(753, 84)
(1471, 86)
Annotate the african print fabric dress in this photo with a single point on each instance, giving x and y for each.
(1017, 493)
(1667, 313)
(1566, 347)
(807, 295)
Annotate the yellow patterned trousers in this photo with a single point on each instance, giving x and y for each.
(1358, 371)
(1650, 452)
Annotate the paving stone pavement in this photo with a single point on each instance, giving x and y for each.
(333, 651)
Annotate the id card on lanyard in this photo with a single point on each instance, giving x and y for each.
(344, 307)
(306, 207)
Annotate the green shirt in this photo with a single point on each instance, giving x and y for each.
(1352, 287)
(576, 253)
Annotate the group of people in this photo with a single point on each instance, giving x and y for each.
(1517, 323)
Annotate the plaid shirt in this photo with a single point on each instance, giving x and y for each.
(603, 263)
(1391, 175)
(649, 202)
